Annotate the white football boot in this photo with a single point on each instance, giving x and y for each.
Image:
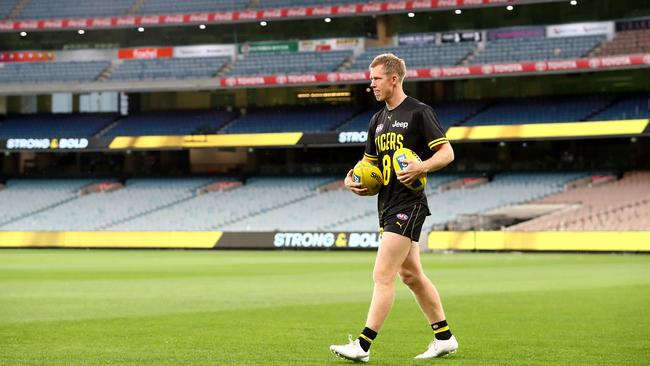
(439, 348)
(351, 351)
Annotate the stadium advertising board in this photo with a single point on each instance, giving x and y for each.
(580, 29)
(268, 47)
(520, 32)
(251, 15)
(26, 56)
(334, 240)
(633, 24)
(450, 72)
(455, 37)
(207, 50)
(332, 44)
(415, 39)
(46, 143)
(145, 53)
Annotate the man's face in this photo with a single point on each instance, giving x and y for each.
(382, 85)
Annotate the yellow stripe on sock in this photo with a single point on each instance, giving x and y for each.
(365, 337)
(440, 330)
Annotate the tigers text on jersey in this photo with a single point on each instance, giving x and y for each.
(413, 125)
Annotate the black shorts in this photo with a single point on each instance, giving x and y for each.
(406, 220)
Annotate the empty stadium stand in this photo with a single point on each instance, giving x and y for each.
(540, 110)
(532, 49)
(6, 7)
(169, 68)
(621, 205)
(46, 72)
(46, 9)
(287, 63)
(100, 210)
(419, 56)
(291, 119)
(626, 42)
(169, 123)
(54, 125)
(230, 208)
(628, 107)
(24, 197)
(504, 189)
(195, 6)
(270, 4)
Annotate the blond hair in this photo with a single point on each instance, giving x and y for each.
(392, 64)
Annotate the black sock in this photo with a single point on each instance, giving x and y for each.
(366, 337)
(441, 330)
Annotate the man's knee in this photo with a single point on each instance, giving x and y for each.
(383, 277)
(410, 278)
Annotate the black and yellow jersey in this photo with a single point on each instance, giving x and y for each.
(413, 125)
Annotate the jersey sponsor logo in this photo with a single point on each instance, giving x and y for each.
(401, 160)
(399, 224)
(402, 216)
(379, 128)
(400, 124)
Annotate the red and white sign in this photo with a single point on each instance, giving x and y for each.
(450, 72)
(252, 15)
(145, 53)
(579, 29)
(26, 56)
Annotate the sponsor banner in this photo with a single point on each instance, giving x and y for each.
(267, 47)
(208, 50)
(549, 130)
(449, 72)
(416, 39)
(333, 44)
(455, 37)
(144, 53)
(511, 33)
(254, 15)
(46, 144)
(579, 29)
(320, 240)
(202, 141)
(26, 56)
(608, 241)
(109, 239)
(634, 24)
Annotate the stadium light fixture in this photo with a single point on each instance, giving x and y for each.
(411, 15)
(202, 26)
(23, 34)
(573, 2)
(328, 20)
(263, 23)
(81, 31)
(510, 8)
(140, 29)
(458, 11)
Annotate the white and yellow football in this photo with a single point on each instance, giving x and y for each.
(399, 156)
(369, 176)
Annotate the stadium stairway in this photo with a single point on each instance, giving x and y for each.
(15, 12)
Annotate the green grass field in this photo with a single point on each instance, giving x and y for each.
(96, 307)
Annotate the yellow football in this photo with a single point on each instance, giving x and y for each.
(399, 156)
(369, 176)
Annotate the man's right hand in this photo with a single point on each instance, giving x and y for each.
(356, 188)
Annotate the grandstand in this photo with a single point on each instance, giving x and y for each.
(625, 42)
(169, 123)
(47, 72)
(54, 125)
(172, 68)
(615, 205)
(287, 63)
(420, 55)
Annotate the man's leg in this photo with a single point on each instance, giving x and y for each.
(428, 299)
(392, 252)
(423, 290)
